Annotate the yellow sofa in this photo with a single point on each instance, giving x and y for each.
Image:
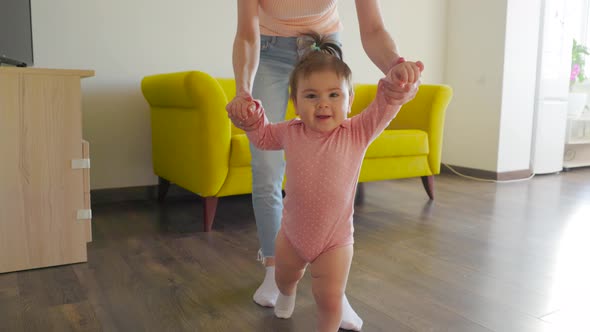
(195, 146)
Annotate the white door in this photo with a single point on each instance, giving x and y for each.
(549, 137)
(552, 90)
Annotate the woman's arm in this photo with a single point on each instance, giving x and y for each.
(380, 47)
(246, 49)
(377, 42)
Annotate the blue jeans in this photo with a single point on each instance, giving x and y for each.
(278, 56)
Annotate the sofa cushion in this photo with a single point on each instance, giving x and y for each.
(399, 142)
(390, 143)
(240, 151)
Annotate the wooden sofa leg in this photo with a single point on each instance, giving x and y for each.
(163, 186)
(209, 208)
(428, 182)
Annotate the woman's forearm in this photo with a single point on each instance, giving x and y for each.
(377, 42)
(381, 49)
(246, 49)
(245, 62)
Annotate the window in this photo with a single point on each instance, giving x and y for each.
(578, 17)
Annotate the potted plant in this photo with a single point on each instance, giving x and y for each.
(577, 100)
(579, 53)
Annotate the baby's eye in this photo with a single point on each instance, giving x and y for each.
(310, 95)
(334, 94)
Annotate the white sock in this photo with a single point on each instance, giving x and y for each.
(350, 320)
(285, 305)
(266, 295)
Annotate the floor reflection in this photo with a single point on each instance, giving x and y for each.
(570, 292)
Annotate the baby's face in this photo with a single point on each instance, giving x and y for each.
(323, 101)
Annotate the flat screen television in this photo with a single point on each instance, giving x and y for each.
(16, 37)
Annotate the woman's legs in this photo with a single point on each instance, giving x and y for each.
(329, 273)
(271, 86)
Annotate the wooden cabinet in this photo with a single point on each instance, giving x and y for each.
(44, 169)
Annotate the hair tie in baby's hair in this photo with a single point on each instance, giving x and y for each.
(314, 47)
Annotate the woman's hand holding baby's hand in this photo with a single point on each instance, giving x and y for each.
(401, 82)
(240, 109)
(405, 73)
(387, 94)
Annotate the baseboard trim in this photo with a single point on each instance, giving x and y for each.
(488, 175)
(150, 192)
(139, 193)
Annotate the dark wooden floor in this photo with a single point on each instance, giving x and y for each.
(483, 257)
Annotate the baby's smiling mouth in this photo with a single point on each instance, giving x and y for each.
(323, 117)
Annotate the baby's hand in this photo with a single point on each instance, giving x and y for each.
(405, 73)
(388, 94)
(401, 83)
(241, 109)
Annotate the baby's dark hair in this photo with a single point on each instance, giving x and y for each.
(324, 54)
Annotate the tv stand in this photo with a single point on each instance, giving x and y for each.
(44, 169)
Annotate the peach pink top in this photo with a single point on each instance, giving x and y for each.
(321, 173)
(290, 18)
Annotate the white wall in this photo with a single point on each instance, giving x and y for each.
(491, 65)
(126, 40)
(474, 70)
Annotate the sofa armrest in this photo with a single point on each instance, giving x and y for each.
(427, 112)
(190, 130)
